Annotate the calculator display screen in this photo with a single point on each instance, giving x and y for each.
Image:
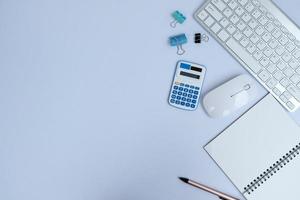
(189, 75)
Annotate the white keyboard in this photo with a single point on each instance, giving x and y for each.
(264, 41)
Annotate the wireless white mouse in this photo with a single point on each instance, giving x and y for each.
(230, 97)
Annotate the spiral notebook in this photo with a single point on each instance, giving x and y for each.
(260, 152)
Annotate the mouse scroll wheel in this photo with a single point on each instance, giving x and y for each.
(247, 87)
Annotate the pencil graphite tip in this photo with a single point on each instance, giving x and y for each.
(186, 180)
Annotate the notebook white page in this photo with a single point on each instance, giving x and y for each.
(255, 142)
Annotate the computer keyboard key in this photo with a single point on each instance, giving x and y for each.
(253, 24)
(256, 3)
(286, 57)
(227, 12)
(251, 48)
(243, 2)
(259, 30)
(256, 14)
(285, 82)
(239, 11)
(244, 42)
(241, 25)
(248, 32)
(264, 61)
(277, 92)
(223, 35)
(273, 44)
(246, 17)
(219, 4)
(274, 58)
(271, 68)
(234, 19)
(233, 4)
(216, 28)
(295, 92)
(288, 72)
(214, 12)
(295, 79)
(294, 64)
(287, 95)
(238, 50)
(203, 15)
(238, 36)
(297, 53)
(278, 76)
(280, 50)
(268, 52)
(209, 21)
(290, 47)
(272, 83)
(231, 29)
(261, 45)
(283, 98)
(257, 55)
(290, 105)
(254, 38)
(224, 22)
(277, 33)
(270, 27)
(249, 7)
(264, 75)
(263, 20)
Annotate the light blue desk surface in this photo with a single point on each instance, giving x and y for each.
(83, 106)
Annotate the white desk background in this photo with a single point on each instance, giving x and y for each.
(83, 106)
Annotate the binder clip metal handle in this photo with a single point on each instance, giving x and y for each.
(178, 18)
(178, 41)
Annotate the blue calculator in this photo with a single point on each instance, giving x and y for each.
(187, 84)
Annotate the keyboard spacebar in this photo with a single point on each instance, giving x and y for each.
(243, 55)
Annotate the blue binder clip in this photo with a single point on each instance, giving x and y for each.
(178, 18)
(178, 41)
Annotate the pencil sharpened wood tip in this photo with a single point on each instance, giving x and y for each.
(186, 180)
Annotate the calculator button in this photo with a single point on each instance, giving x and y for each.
(177, 102)
(191, 91)
(180, 88)
(189, 100)
(192, 87)
(173, 96)
(185, 90)
(195, 97)
(179, 93)
(186, 85)
(196, 92)
(172, 101)
(193, 106)
(182, 103)
(194, 101)
(175, 87)
(184, 94)
(178, 97)
(197, 88)
(174, 92)
(183, 99)
(181, 84)
(190, 96)
(187, 104)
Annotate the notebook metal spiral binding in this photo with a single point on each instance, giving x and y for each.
(273, 169)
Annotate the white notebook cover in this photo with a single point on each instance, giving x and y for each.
(259, 152)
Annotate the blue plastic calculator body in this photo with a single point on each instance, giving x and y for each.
(187, 84)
